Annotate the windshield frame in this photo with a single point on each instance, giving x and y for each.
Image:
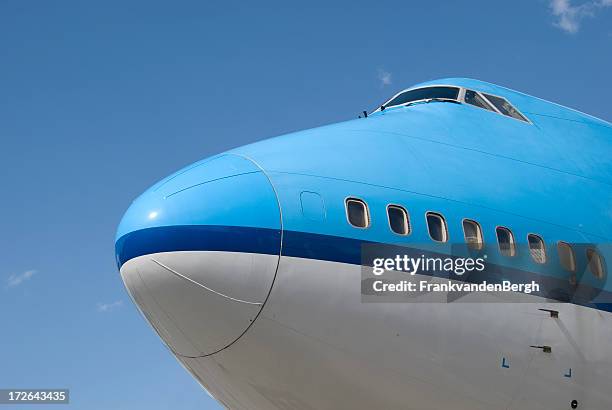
(460, 99)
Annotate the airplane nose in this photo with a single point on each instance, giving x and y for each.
(198, 252)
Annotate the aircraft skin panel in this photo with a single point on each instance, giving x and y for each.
(247, 267)
(193, 302)
(522, 186)
(525, 102)
(183, 200)
(343, 354)
(334, 193)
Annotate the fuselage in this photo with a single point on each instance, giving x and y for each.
(249, 269)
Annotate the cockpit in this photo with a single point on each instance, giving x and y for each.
(453, 94)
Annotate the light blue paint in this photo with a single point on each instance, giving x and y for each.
(234, 193)
(457, 160)
(313, 207)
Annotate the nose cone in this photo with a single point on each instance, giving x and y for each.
(198, 252)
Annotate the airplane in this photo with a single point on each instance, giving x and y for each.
(249, 264)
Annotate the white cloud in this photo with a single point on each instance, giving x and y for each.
(384, 77)
(17, 279)
(108, 307)
(570, 16)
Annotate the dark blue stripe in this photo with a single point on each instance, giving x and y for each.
(329, 248)
(196, 238)
(554, 284)
(323, 247)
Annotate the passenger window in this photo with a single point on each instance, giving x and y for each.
(505, 240)
(473, 98)
(595, 262)
(357, 213)
(473, 234)
(398, 220)
(537, 249)
(437, 227)
(566, 256)
(505, 107)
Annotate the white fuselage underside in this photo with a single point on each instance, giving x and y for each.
(307, 341)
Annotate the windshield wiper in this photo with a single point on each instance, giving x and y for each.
(436, 99)
(425, 101)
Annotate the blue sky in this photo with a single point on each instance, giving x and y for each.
(98, 100)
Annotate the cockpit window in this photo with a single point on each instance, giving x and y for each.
(459, 95)
(427, 93)
(505, 107)
(473, 98)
